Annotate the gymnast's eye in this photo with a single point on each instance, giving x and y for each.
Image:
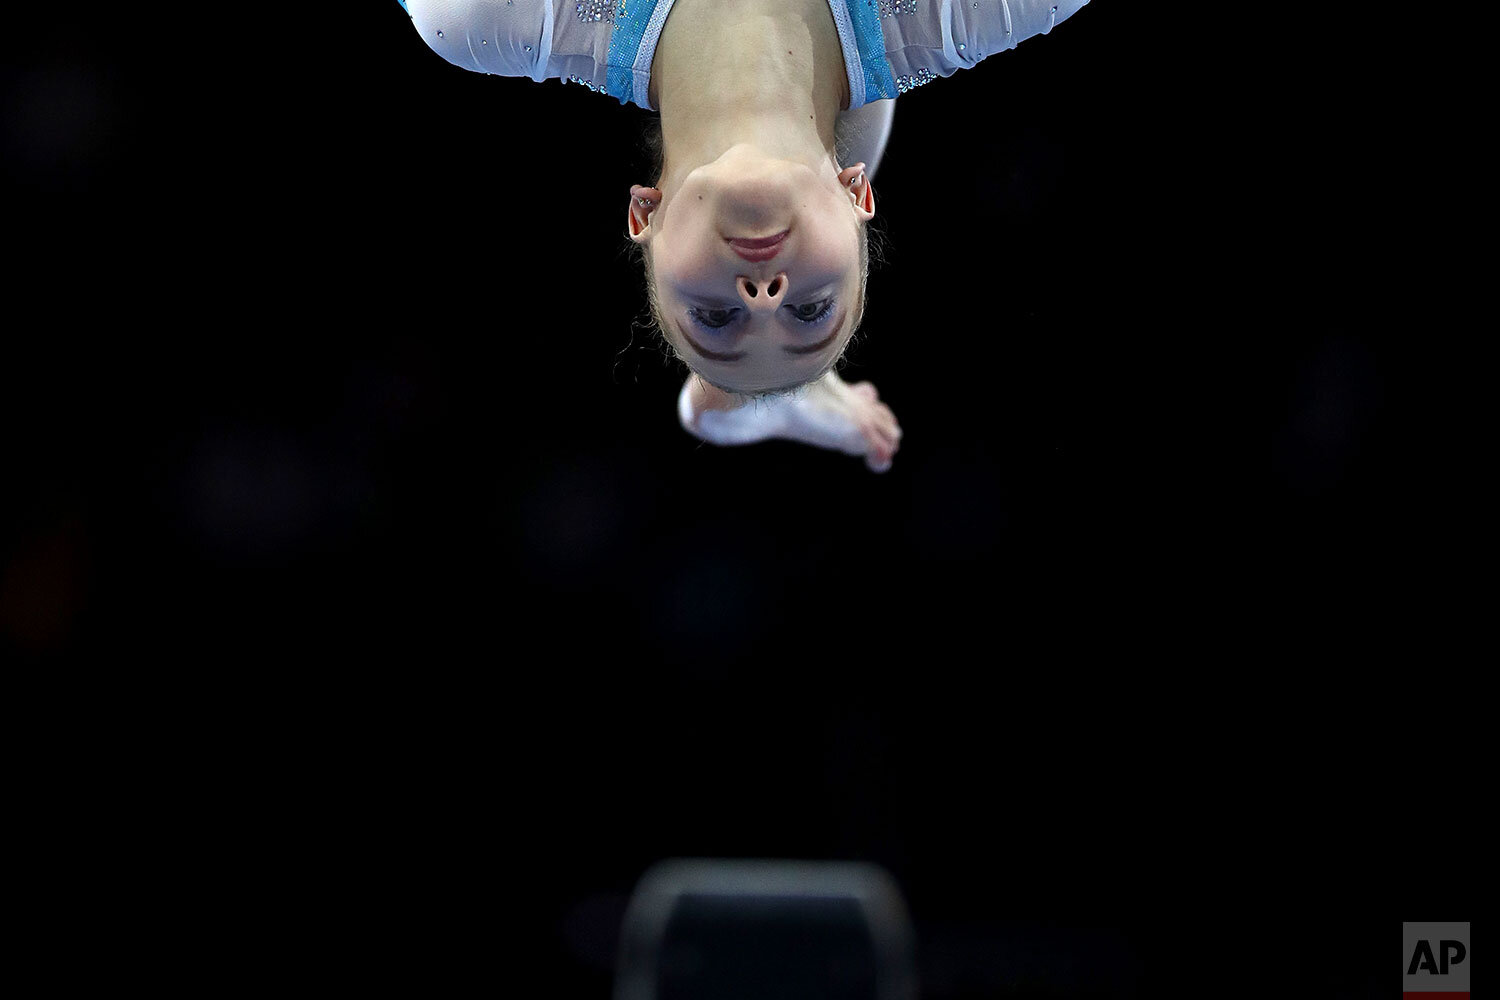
(813, 312)
(712, 319)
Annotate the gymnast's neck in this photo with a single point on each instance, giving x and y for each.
(765, 72)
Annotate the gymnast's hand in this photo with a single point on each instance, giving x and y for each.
(829, 413)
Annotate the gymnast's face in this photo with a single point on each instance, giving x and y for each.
(756, 318)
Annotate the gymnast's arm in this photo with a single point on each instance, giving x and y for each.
(988, 28)
(828, 413)
(503, 37)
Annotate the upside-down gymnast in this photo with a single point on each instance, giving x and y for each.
(752, 237)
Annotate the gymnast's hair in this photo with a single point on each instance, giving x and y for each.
(651, 142)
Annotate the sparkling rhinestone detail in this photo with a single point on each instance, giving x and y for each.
(575, 78)
(599, 10)
(923, 75)
(890, 8)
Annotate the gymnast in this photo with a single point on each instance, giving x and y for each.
(752, 236)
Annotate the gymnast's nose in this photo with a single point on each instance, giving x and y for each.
(762, 295)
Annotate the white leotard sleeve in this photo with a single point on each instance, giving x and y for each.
(488, 36)
(773, 418)
(995, 27)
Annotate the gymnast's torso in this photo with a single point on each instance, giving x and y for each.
(607, 46)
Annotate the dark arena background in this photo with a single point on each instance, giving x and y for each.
(358, 580)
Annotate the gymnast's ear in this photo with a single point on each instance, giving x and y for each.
(643, 202)
(854, 180)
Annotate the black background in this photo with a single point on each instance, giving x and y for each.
(347, 514)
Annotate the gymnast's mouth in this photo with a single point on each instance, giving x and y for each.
(759, 248)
